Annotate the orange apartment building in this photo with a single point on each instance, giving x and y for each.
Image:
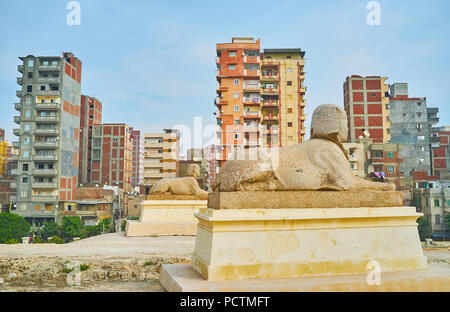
(259, 97)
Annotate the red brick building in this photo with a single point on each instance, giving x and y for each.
(90, 114)
(111, 155)
(440, 151)
(137, 165)
(366, 102)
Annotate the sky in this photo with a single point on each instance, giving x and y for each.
(152, 63)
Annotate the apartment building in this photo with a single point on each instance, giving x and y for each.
(238, 95)
(48, 134)
(440, 151)
(137, 164)
(90, 114)
(3, 153)
(282, 97)
(412, 126)
(357, 158)
(366, 102)
(111, 155)
(161, 156)
(260, 97)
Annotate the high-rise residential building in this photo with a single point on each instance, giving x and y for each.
(238, 95)
(440, 149)
(90, 114)
(111, 155)
(49, 122)
(259, 97)
(137, 164)
(282, 91)
(3, 153)
(366, 102)
(411, 125)
(210, 153)
(161, 156)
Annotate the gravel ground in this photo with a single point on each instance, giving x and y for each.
(111, 262)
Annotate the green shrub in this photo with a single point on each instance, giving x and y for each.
(89, 231)
(12, 228)
(37, 240)
(56, 240)
(67, 270)
(84, 267)
(71, 227)
(424, 228)
(49, 229)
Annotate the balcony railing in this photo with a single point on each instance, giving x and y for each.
(252, 72)
(45, 172)
(44, 185)
(46, 118)
(17, 119)
(270, 118)
(250, 114)
(13, 172)
(15, 144)
(45, 144)
(48, 105)
(47, 92)
(18, 106)
(270, 103)
(20, 68)
(247, 86)
(49, 68)
(13, 185)
(269, 90)
(153, 175)
(269, 62)
(42, 199)
(269, 77)
(46, 131)
(48, 80)
(19, 80)
(45, 157)
(19, 93)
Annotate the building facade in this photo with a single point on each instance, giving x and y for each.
(161, 156)
(111, 155)
(90, 114)
(3, 153)
(366, 102)
(412, 126)
(440, 148)
(48, 134)
(137, 164)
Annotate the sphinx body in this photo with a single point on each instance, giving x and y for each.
(318, 164)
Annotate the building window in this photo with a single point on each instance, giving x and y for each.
(436, 203)
(391, 168)
(232, 67)
(289, 110)
(54, 63)
(390, 154)
(289, 83)
(42, 88)
(236, 82)
(29, 88)
(289, 70)
(421, 137)
(26, 127)
(25, 179)
(419, 114)
(232, 53)
(437, 219)
(289, 124)
(30, 75)
(237, 122)
(30, 63)
(288, 56)
(427, 202)
(28, 100)
(237, 136)
(26, 154)
(236, 108)
(236, 95)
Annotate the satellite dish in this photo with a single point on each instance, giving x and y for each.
(366, 134)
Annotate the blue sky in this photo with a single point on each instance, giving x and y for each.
(151, 63)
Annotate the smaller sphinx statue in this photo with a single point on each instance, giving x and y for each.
(318, 164)
(181, 186)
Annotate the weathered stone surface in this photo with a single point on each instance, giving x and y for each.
(320, 163)
(303, 199)
(183, 278)
(177, 197)
(181, 186)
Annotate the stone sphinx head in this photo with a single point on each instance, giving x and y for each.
(329, 121)
(193, 170)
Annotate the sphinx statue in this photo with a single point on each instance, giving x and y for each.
(318, 164)
(181, 186)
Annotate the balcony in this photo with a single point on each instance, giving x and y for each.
(19, 93)
(15, 158)
(15, 144)
(153, 174)
(302, 90)
(16, 132)
(251, 59)
(17, 119)
(45, 172)
(270, 104)
(269, 63)
(13, 185)
(433, 120)
(49, 68)
(50, 145)
(46, 131)
(12, 198)
(18, 106)
(221, 88)
(20, 68)
(253, 127)
(252, 115)
(51, 106)
(270, 118)
(52, 80)
(435, 139)
(432, 110)
(44, 199)
(45, 158)
(252, 72)
(13, 172)
(44, 185)
(152, 164)
(269, 77)
(352, 158)
(47, 93)
(19, 80)
(251, 87)
(46, 118)
(153, 144)
(219, 101)
(269, 91)
(302, 75)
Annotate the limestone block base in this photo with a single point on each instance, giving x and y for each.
(166, 217)
(236, 244)
(183, 278)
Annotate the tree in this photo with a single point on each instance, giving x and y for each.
(12, 228)
(424, 228)
(447, 222)
(49, 229)
(71, 227)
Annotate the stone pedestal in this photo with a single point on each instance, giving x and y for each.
(166, 215)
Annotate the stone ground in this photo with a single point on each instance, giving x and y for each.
(110, 262)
